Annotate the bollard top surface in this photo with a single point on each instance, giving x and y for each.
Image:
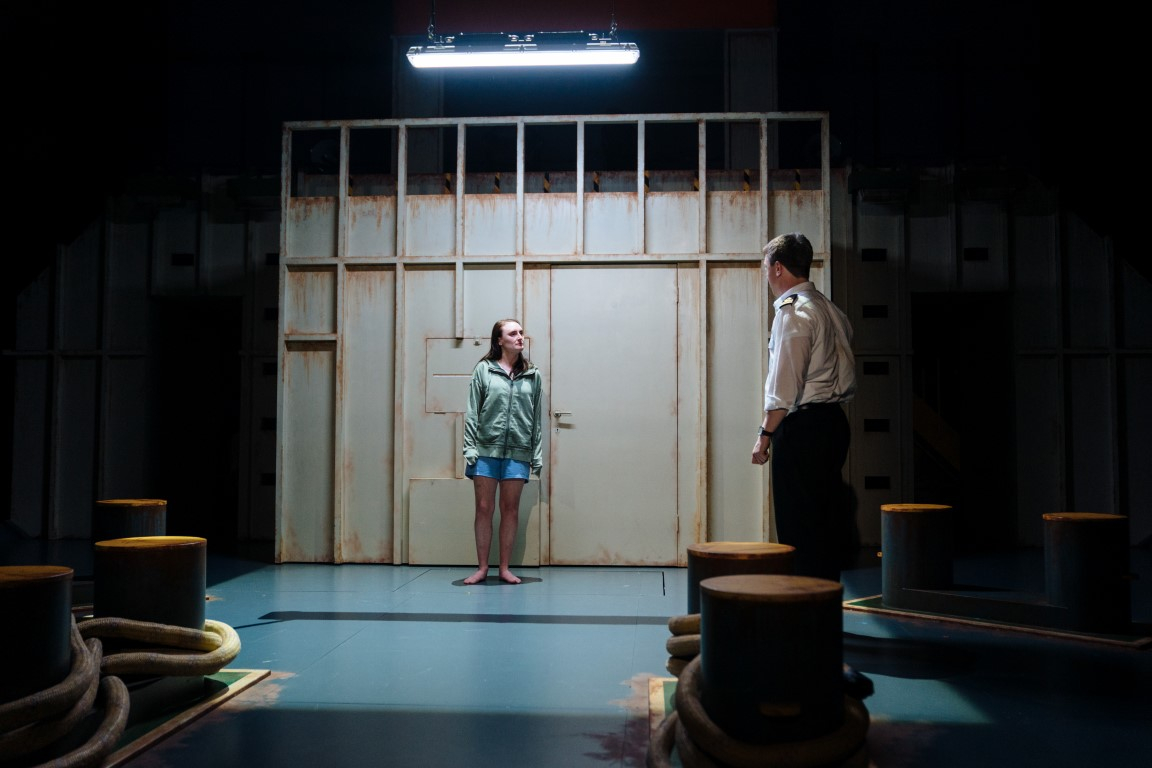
(1074, 517)
(913, 507)
(15, 575)
(772, 588)
(738, 550)
(132, 503)
(151, 542)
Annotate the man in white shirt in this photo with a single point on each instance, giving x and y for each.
(804, 432)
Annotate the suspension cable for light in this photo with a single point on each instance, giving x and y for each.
(541, 49)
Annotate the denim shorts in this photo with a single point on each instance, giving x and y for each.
(499, 469)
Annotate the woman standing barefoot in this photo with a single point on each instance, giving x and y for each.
(502, 440)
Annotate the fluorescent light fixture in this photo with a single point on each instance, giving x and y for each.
(540, 49)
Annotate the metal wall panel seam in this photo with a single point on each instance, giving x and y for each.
(702, 183)
(401, 193)
(340, 276)
(285, 200)
(641, 202)
(458, 245)
(399, 509)
(579, 188)
(702, 514)
(518, 241)
(764, 207)
(400, 426)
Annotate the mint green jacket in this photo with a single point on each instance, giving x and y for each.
(503, 417)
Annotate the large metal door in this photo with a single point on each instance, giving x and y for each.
(613, 417)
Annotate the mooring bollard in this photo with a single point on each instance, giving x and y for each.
(36, 643)
(916, 544)
(161, 579)
(1086, 569)
(732, 558)
(771, 656)
(125, 518)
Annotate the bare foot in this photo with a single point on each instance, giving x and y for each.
(480, 575)
(508, 577)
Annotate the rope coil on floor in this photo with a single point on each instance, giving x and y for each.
(711, 746)
(166, 661)
(33, 724)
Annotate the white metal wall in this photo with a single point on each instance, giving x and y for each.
(472, 247)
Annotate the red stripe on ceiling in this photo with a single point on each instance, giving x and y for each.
(411, 17)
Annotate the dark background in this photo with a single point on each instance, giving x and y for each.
(102, 97)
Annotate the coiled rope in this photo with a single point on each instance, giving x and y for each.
(700, 743)
(40, 720)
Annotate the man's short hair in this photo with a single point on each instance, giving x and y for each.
(793, 251)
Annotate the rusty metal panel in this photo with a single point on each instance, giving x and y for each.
(877, 307)
(692, 394)
(449, 364)
(78, 307)
(1036, 282)
(309, 304)
(1039, 445)
(877, 420)
(430, 225)
(371, 226)
(74, 448)
(175, 250)
(550, 224)
(489, 294)
(126, 306)
(311, 227)
(627, 516)
(126, 447)
(983, 245)
(672, 222)
(738, 324)
(306, 518)
(367, 411)
(441, 524)
(537, 309)
(1091, 435)
(800, 211)
(429, 448)
(490, 225)
(931, 250)
(31, 434)
(611, 223)
(734, 222)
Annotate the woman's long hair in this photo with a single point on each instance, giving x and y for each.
(495, 352)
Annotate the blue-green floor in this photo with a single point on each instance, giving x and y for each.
(381, 665)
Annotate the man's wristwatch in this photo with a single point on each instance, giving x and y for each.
(764, 432)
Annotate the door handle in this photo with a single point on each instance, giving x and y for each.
(558, 414)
